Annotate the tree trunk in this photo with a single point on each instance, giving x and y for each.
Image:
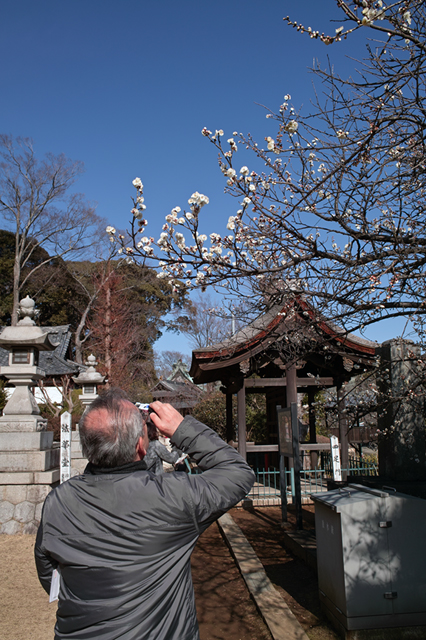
(16, 291)
(108, 356)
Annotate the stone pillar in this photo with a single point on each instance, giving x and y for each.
(401, 420)
(29, 458)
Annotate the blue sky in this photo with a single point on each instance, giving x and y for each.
(126, 87)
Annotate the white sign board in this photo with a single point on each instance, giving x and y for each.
(65, 446)
(335, 458)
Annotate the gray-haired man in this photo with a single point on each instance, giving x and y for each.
(122, 537)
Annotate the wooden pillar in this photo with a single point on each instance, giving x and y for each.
(230, 430)
(241, 413)
(343, 428)
(291, 385)
(291, 396)
(312, 425)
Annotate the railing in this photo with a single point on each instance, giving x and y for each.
(356, 466)
(267, 484)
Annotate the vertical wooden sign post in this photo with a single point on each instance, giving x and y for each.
(335, 459)
(65, 471)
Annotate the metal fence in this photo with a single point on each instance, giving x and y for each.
(267, 485)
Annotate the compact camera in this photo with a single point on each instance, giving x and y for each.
(145, 407)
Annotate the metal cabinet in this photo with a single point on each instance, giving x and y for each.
(371, 553)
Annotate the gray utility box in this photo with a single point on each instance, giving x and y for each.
(371, 552)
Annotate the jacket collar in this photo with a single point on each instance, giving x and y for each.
(94, 470)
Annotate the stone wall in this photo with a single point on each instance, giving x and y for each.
(21, 506)
(29, 469)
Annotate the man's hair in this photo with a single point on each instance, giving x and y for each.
(110, 429)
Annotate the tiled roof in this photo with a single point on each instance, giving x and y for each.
(53, 363)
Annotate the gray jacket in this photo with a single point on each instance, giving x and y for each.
(123, 542)
(155, 455)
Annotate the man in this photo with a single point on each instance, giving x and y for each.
(122, 537)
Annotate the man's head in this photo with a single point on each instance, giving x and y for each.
(112, 431)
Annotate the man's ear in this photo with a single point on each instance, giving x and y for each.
(140, 449)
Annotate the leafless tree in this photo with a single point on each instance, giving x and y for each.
(164, 361)
(204, 321)
(332, 206)
(37, 206)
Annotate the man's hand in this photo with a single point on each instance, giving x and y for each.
(165, 418)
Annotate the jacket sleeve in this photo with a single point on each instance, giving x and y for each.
(45, 564)
(168, 456)
(226, 477)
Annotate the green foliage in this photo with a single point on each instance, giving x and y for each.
(7, 256)
(212, 412)
(58, 296)
(256, 418)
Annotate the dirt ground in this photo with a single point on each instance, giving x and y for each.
(293, 579)
(224, 608)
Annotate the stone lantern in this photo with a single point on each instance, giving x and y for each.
(89, 380)
(24, 342)
(29, 458)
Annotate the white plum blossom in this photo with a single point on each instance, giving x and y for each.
(189, 215)
(137, 182)
(271, 143)
(231, 223)
(110, 230)
(232, 143)
(198, 200)
(138, 213)
(291, 126)
(230, 173)
(244, 171)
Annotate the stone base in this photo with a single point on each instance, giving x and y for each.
(21, 506)
(78, 466)
(78, 462)
(24, 423)
(30, 477)
(12, 461)
(12, 441)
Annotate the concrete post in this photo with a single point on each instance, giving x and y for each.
(401, 422)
